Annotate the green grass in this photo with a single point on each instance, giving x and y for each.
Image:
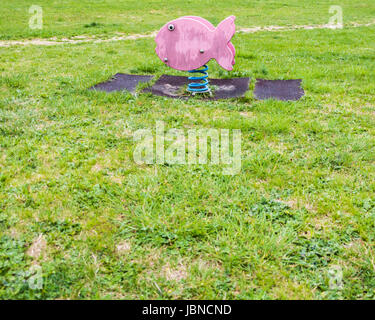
(302, 203)
(67, 18)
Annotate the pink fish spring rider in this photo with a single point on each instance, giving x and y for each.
(188, 43)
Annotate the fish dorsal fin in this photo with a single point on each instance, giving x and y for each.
(227, 27)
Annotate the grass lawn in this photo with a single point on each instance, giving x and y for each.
(67, 18)
(102, 226)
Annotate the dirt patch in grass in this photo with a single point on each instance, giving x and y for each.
(123, 247)
(177, 273)
(96, 168)
(37, 247)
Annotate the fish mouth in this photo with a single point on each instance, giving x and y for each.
(162, 55)
(158, 52)
(157, 48)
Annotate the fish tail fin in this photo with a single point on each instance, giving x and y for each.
(231, 47)
(226, 29)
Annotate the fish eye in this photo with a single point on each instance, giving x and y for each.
(170, 27)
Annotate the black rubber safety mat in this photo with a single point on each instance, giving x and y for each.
(121, 81)
(278, 89)
(174, 87)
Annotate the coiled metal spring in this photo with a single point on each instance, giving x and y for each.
(202, 86)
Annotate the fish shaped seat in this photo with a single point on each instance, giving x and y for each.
(189, 42)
